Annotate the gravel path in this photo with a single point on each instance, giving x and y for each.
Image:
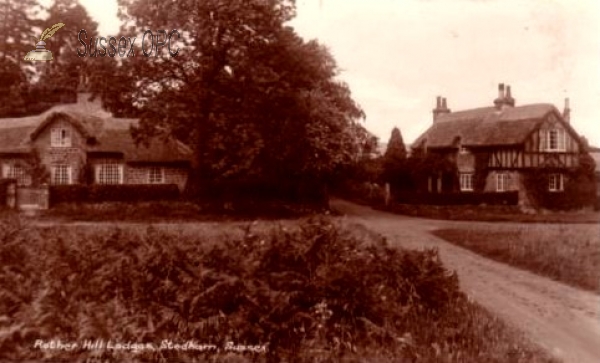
(561, 319)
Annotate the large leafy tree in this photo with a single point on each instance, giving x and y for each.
(60, 78)
(18, 25)
(255, 101)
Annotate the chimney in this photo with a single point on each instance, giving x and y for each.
(508, 100)
(567, 111)
(84, 95)
(441, 108)
(436, 110)
(498, 102)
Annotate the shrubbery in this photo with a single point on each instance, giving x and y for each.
(95, 193)
(284, 191)
(472, 198)
(579, 190)
(313, 294)
(362, 192)
(180, 210)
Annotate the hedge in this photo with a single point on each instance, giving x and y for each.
(471, 198)
(112, 193)
(284, 191)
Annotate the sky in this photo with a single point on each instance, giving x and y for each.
(398, 55)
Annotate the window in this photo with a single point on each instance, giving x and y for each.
(556, 183)
(556, 140)
(60, 137)
(17, 172)
(502, 181)
(466, 182)
(156, 176)
(463, 150)
(61, 174)
(111, 173)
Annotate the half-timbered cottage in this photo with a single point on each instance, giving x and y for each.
(496, 148)
(81, 143)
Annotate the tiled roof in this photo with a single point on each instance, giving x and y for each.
(110, 134)
(486, 126)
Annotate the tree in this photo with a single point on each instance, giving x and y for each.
(255, 101)
(60, 78)
(394, 162)
(396, 151)
(19, 27)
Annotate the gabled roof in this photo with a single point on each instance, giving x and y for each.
(108, 134)
(487, 126)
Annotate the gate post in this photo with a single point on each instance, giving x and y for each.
(11, 195)
(44, 197)
(387, 194)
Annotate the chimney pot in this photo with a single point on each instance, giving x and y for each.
(444, 104)
(508, 99)
(439, 102)
(501, 90)
(567, 111)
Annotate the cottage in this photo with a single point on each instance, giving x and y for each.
(502, 148)
(82, 143)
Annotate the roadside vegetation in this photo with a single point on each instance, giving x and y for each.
(492, 213)
(310, 291)
(567, 253)
(176, 211)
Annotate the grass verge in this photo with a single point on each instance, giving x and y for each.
(567, 253)
(312, 292)
(491, 213)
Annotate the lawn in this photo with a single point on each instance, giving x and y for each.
(567, 253)
(492, 213)
(314, 290)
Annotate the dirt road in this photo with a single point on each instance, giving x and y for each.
(561, 319)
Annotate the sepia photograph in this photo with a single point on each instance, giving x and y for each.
(300, 181)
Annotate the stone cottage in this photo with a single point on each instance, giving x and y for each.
(82, 143)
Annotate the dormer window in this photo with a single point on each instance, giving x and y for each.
(60, 137)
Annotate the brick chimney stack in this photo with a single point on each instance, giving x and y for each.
(505, 98)
(508, 99)
(441, 107)
(567, 111)
(498, 102)
(84, 99)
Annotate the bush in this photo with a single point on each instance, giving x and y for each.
(307, 192)
(362, 192)
(310, 294)
(472, 198)
(80, 193)
(579, 190)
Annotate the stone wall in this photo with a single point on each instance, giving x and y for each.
(74, 156)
